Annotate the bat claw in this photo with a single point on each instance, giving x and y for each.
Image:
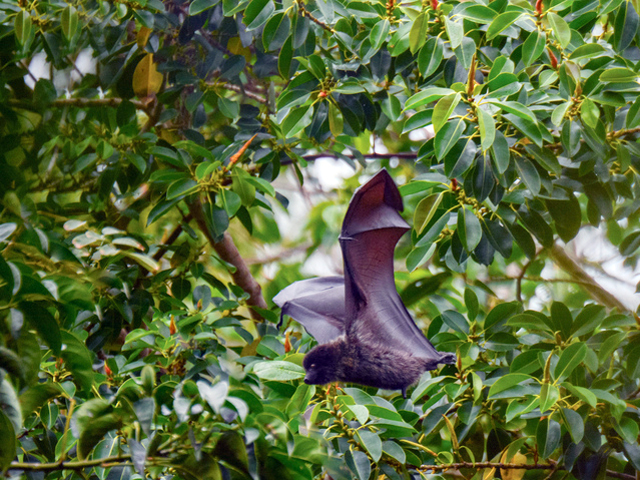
(404, 392)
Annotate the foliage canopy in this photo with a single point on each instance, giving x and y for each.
(135, 340)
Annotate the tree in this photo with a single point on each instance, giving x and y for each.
(137, 177)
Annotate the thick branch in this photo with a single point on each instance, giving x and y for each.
(79, 465)
(577, 273)
(481, 465)
(81, 102)
(228, 252)
(511, 466)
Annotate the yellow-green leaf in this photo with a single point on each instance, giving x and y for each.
(146, 78)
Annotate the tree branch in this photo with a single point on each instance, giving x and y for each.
(481, 465)
(228, 252)
(81, 103)
(577, 273)
(315, 156)
(238, 89)
(307, 13)
(78, 465)
(511, 466)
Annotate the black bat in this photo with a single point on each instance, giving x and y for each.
(364, 331)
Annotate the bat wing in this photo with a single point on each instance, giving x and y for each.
(317, 304)
(374, 311)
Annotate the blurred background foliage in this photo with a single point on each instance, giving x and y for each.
(150, 151)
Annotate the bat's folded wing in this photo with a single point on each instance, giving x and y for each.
(317, 304)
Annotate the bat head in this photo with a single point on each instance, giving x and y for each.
(321, 365)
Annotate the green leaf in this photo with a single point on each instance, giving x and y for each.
(465, 52)
(455, 32)
(588, 50)
(443, 110)
(10, 405)
(44, 323)
(232, 450)
(181, 187)
(216, 219)
(469, 229)
(394, 451)
(425, 96)
(589, 113)
(242, 186)
(618, 75)
(447, 137)
(430, 57)
(425, 211)
(276, 31)
(500, 152)
(529, 174)
(199, 6)
(336, 120)
(625, 26)
(558, 114)
(418, 32)
(278, 371)
(507, 382)
(501, 23)
(93, 430)
(379, 34)
(257, 13)
(570, 358)
(548, 437)
(35, 397)
(297, 120)
(371, 442)
(517, 109)
(582, 393)
(533, 47)
(22, 27)
(9, 443)
(527, 127)
(77, 360)
(456, 321)
(487, 127)
(560, 29)
(549, 395)
(69, 22)
(574, 423)
(358, 463)
(6, 230)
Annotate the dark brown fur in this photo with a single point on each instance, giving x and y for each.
(353, 361)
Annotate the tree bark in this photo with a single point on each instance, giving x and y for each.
(228, 252)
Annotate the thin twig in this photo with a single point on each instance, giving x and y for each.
(238, 89)
(307, 13)
(315, 156)
(520, 277)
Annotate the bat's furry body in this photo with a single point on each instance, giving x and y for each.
(374, 365)
(365, 332)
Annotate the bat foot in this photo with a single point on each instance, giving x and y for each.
(404, 392)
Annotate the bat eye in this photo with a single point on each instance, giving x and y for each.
(313, 365)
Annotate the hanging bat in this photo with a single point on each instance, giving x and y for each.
(364, 331)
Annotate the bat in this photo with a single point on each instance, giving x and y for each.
(365, 333)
